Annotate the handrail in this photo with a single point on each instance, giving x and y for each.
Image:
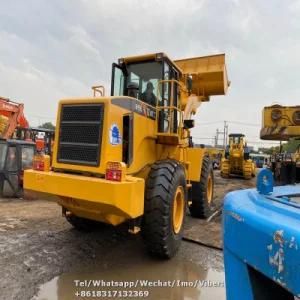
(172, 81)
(171, 107)
(98, 89)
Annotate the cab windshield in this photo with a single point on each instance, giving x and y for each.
(235, 139)
(141, 81)
(145, 76)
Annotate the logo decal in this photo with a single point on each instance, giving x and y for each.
(114, 135)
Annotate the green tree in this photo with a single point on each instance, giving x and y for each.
(291, 146)
(47, 125)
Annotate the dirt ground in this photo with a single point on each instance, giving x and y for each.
(39, 248)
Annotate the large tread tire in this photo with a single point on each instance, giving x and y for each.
(157, 226)
(297, 174)
(248, 169)
(82, 224)
(201, 206)
(283, 180)
(253, 169)
(225, 169)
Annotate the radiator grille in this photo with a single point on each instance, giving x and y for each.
(81, 134)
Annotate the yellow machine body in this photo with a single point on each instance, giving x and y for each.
(280, 122)
(236, 160)
(132, 137)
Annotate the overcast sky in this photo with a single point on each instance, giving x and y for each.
(56, 49)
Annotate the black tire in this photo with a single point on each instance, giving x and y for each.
(1, 187)
(157, 227)
(284, 174)
(83, 224)
(246, 155)
(297, 174)
(200, 206)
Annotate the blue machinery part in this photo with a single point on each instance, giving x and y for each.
(262, 242)
(264, 182)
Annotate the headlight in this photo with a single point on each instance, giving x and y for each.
(276, 115)
(296, 117)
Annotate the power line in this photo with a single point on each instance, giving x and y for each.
(261, 142)
(203, 138)
(207, 123)
(245, 124)
(42, 117)
(233, 122)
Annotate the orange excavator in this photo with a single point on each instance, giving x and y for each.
(18, 145)
(11, 117)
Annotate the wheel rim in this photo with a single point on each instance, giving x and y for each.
(178, 209)
(209, 189)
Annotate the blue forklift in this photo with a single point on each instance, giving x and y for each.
(261, 227)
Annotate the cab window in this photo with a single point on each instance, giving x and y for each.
(12, 164)
(27, 157)
(145, 76)
(3, 151)
(166, 115)
(138, 80)
(117, 88)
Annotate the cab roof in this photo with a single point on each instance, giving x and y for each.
(148, 57)
(236, 135)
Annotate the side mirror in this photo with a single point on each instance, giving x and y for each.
(188, 124)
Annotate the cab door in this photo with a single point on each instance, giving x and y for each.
(117, 81)
(168, 116)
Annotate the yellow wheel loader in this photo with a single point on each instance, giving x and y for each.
(128, 157)
(237, 158)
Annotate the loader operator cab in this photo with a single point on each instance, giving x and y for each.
(236, 138)
(148, 79)
(236, 143)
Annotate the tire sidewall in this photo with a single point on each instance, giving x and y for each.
(209, 204)
(200, 207)
(179, 180)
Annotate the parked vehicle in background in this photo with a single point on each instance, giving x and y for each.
(237, 160)
(261, 160)
(18, 144)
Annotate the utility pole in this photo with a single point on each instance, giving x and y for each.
(217, 138)
(224, 133)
